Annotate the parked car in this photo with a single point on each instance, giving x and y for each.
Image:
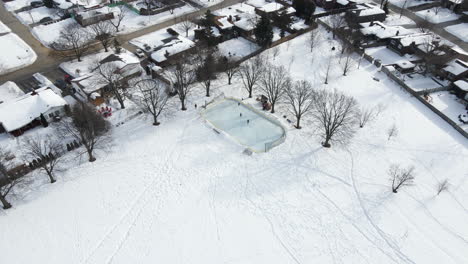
(139, 53)
(45, 20)
(36, 4)
(60, 84)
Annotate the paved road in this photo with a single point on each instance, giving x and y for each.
(437, 28)
(48, 64)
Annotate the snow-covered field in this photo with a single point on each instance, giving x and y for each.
(450, 105)
(418, 82)
(444, 15)
(14, 53)
(459, 30)
(47, 34)
(180, 193)
(387, 56)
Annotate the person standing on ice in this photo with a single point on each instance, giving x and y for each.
(240, 114)
(248, 121)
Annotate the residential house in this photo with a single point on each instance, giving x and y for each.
(334, 4)
(458, 6)
(26, 112)
(171, 49)
(90, 85)
(460, 88)
(455, 70)
(364, 13)
(90, 17)
(405, 44)
(379, 33)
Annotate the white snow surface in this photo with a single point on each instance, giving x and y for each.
(14, 53)
(444, 15)
(36, 14)
(180, 193)
(8, 91)
(4, 28)
(459, 30)
(237, 47)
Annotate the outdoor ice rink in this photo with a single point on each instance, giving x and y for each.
(243, 124)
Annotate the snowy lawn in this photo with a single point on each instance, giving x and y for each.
(14, 53)
(444, 15)
(238, 47)
(180, 193)
(418, 82)
(387, 56)
(450, 105)
(9, 91)
(3, 28)
(459, 30)
(394, 19)
(36, 14)
(17, 4)
(47, 34)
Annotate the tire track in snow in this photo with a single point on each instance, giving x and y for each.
(382, 234)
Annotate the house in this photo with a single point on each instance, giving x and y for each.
(334, 4)
(377, 32)
(455, 70)
(238, 18)
(365, 13)
(458, 6)
(26, 112)
(171, 49)
(90, 17)
(404, 66)
(269, 9)
(405, 44)
(460, 88)
(91, 87)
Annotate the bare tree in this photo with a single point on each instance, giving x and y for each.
(442, 186)
(437, 9)
(392, 131)
(335, 115)
(314, 38)
(186, 25)
(153, 97)
(87, 127)
(104, 32)
(367, 115)
(251, 72)
(47, 152)
(73, 41)
(400, 176)
(274, 83)
(423, 24)
(7, 180)
(110, 75)
(347, 63)
(119, 17)
(229, 66)
(300, 98)
(182, 78)
(336, 22)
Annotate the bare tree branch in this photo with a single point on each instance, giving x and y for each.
(300, 98)
(400, 176)
(274, 83)
(153, 97)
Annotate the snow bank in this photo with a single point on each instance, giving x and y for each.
(14, 53)
(459, 30)
(4, 28)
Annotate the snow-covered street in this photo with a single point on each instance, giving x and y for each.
(181, 193)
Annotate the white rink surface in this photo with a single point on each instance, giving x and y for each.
(232, 116)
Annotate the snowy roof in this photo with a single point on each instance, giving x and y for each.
(176, 45)
(462, 84)
(271, 7)
(404, 64)
(290, 10)
(383, 31)
(456, 67)
(416, 38)
(236, 9)
(342, 2)
(367, 10)
(22, 111)
(9, 91)
(246, 21)
(223, 22)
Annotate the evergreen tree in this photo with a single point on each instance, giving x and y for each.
(264, 32)
(283, 20)
(48, 3)
(304, 8)
(44, 121)
(208, 19)
(385, 8)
